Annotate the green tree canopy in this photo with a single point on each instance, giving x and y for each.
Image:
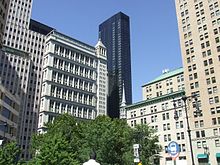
(58, 145)
(9, 153)
(70, 142)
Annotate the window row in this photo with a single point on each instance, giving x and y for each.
(200, 13)
(199, 124)
(184, 13)
(216, 121)
(187, 35)
(193, 76)
(208, 62)
(192, 67)
(205, 44)
(199, 5)
(216, 22)
(215, 13)
(216, 131)
(74, 69)
(73, 82)
(203, 144)
(75, 56)
(213, 6)
(182, 148)
(209, 71)
(213, 100)
(191, 50)
(211, 80)
(215, 110)
(166, 126)
(206, 53)
(71, 95)
(202, 28)
(80, 112)
(200, 21)
(212, 90)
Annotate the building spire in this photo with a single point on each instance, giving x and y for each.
(99, 35)
(123, 101)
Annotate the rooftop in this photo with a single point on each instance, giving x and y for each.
(165, 75)
(156, 100)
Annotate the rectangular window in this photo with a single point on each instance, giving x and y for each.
(199, 144)
(217, 143)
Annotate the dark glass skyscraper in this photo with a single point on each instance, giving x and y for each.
(115, 34)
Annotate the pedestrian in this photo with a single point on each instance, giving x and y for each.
(92, 160)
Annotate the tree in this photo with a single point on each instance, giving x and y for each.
(110, 138)
(70, 142)
(148, 140)
(113, 141)
(58, 145)
(9, 153)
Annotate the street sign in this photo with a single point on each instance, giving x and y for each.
(136, 150)
(136, 145)
(136, 153)
(173, 149)
(136, 160)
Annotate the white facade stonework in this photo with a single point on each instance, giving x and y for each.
(157, 110)
(74, 79)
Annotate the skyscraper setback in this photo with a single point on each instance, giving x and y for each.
(115, 34)
(199, 25)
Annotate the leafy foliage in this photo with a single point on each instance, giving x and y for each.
(143, 135)
(110, 139)
(58, 145)
(9, 154)
(70, 142)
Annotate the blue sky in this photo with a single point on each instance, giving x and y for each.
(154, 32)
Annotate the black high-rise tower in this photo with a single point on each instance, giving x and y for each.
(115, 34)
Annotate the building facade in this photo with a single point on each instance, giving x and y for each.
(199, 24)
(21, 66)
(115, 34)
(168, 82)
(74, 79)
(9, 108)
(4, 4)
(157, 110)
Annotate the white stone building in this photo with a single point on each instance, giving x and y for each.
(157, 110)
(74, 79)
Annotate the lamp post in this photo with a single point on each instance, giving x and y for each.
(5, 124)
(206, 151)
(196, 113)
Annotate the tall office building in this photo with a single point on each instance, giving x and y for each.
(74, 79)
(9, 108)
(199, 29)
(21, 66)
(3, 13)
(115, 34)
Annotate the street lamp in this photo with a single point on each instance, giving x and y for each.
(197, 112)
(5, 124)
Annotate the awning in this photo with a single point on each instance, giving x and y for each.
(217, 155)
(202, 156)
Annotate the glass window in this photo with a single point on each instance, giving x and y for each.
(217, 143)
